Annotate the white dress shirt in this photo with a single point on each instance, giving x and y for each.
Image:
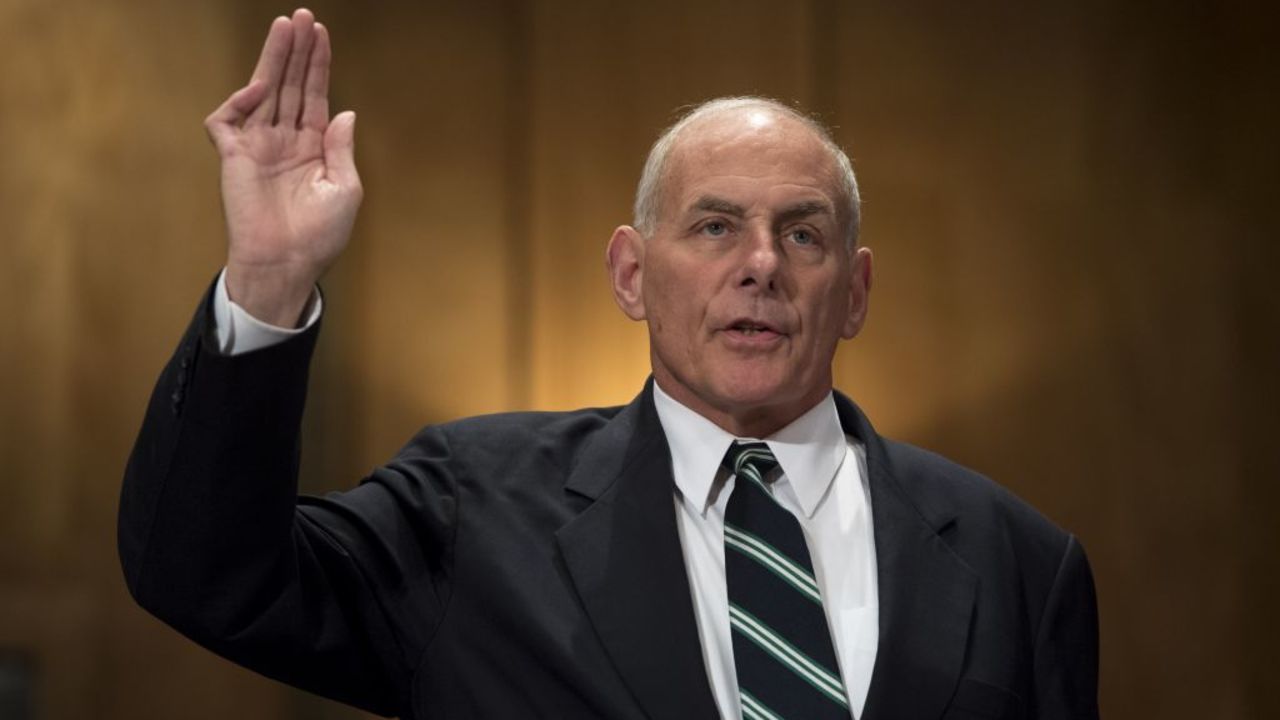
(824, 484)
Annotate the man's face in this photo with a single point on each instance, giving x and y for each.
(746, 282)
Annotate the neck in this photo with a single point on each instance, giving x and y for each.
(744, 421)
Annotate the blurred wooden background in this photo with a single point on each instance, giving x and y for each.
(1072, 207)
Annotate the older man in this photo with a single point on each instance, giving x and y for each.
(736, 542)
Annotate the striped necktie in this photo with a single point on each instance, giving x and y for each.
(782, 648)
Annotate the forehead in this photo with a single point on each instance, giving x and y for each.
(752, 155)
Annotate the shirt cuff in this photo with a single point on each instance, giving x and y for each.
(237, 332)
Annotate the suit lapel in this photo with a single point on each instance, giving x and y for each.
(926, 591)
(623, 554)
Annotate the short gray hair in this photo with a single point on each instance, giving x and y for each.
(652, 179)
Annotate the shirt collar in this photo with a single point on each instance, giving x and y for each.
(809, 450)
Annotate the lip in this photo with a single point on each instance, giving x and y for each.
(763, 336)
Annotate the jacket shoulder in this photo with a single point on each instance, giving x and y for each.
(948, 487)
(984, 522)
(512, 446)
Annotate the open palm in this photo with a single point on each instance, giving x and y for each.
(290, 189)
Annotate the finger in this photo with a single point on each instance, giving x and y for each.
(315, 100)
(339, 150)
(270, 68)
(295, 71)
(232, 113)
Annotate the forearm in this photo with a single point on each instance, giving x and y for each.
(215, 465)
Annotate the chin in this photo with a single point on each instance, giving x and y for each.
(758, 390)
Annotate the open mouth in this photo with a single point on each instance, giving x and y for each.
(752, 328)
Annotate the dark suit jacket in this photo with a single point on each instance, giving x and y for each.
(528, 565)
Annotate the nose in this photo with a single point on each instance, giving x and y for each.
(762, 261)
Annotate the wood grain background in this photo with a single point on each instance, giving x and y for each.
(1072, 207)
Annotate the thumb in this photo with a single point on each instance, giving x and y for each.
(339, 149)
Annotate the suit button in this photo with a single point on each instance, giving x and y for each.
(176, 397)
(185, 362)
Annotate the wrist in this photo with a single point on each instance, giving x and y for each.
(273, 295)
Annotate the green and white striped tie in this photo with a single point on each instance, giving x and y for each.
(782, 648)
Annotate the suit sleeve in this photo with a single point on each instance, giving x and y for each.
(1066, 650)
(336, 595)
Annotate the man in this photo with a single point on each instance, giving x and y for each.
(736, 542)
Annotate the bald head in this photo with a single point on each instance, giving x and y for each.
(732, 115)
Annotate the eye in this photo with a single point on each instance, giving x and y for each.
(715, 228)
(801, 236)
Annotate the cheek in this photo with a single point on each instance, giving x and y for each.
(665, 310)
(674, 304)
(827, 318)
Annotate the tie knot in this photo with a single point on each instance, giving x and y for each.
(754, 460)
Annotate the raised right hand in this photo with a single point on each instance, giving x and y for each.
(290, 189)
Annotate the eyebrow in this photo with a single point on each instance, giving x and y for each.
(711, 203)
(807, 208)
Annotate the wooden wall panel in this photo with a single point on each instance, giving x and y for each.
(428, 344)
(39, 251)
(110, 233)
(1057, 243)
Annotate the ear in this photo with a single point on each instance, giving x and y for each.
(859, 292)
(625, 260)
